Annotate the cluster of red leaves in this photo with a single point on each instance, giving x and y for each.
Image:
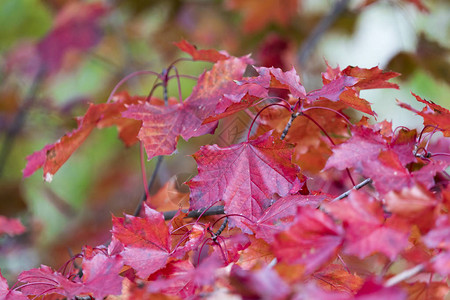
(282, 241)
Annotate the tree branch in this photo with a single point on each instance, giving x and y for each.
(214, 210)
(19, 119)
(311, 41)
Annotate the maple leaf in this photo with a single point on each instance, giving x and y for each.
(7, 294)
(426, 290)
(259, 252)
(245, 176)
(312, 240)
(367, 231)
(101, 275)
(53, 156)
(416, 205)
(163, 125)
(261, 284)
(439, 236)
(71, 31)
(210, 55)
(373, 290)
(146, 241)
(258, 14)
(345, 86)
(270, 222)
(183, 279)
(433, 115)
(11, 226)
(378, 157)
(45, 281)
(335, 277)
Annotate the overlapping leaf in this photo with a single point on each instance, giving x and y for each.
(100, 278)
(7, 294)
(312, 240)
(345, 86)
(274, 218)
(244, 176)
(147, 244)
(163, 125)
(183, 279)
(258, 14)
(433, 115)
(72, 31)
(210, 55)
(53, 156)
(367, 231)
(11, 226)
(378, 157)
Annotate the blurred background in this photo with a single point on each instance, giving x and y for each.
(59, 55)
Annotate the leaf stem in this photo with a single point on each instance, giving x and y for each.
(259, 112)
(128, 77)
(331, 141)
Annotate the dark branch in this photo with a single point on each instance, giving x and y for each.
(19, 119)
(214, 210)
(289, 124)
(356, 187)
(310, 43)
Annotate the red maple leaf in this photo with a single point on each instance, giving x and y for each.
(257, 14)
(378, 157)
(183, 279)
(147, 244)
(7, 294)
(373, 290)
(335, 277)
(53, 156)
(101, 275)
(274, 218)
(433, 115)
(45, 281)
(312, 240)
(439, 237)
(261, 284)
(416, 205)
(367, 231)
(245, 176)
(72, 30)
(11, 226)
(100, 278)
(345, 85)
(163, 125)
(147, 241)
(210, 55)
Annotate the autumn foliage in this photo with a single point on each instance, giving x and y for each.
(276, 233)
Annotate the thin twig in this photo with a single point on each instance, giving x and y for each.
(310, 43)
(19, 119)
(219, 232)
(149, 186)
(404, 275)
(289, 124)
(356, 187)
(214, 210)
